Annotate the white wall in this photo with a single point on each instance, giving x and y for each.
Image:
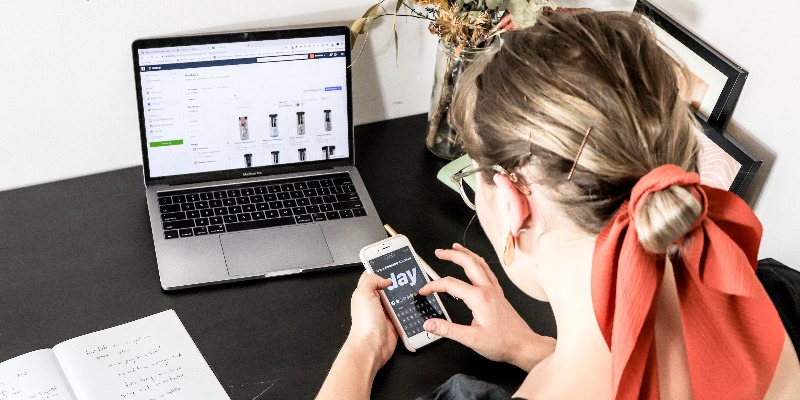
(67, 104)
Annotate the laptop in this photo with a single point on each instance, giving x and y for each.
(247, 148)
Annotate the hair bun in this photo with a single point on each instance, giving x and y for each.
(665, 206)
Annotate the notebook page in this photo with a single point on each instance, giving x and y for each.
(150, 358)
(33, 376)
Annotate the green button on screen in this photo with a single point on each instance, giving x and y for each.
(166, 143)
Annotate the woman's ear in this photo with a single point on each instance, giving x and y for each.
(515, 202)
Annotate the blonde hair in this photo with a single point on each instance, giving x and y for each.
(532, 102)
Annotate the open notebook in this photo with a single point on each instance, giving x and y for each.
(150, 358)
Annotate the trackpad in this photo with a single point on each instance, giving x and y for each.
(275, 249)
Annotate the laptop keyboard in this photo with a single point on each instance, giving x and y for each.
(256, 205)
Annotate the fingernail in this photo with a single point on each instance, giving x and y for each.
(430, 326)
(438, 251)
(456, 245)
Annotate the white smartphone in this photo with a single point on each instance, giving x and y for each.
(395, 259)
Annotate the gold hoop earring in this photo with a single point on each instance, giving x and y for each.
(510, 249)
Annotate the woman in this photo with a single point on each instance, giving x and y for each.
(589, 195)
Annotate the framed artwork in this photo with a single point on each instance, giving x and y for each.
(723, 164)
(717, 81)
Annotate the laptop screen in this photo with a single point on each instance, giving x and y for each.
(247, 104)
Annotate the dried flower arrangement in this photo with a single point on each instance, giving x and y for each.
(460, 25)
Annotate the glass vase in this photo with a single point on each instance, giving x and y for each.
(442, 139)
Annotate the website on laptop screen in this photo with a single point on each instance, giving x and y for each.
(227, 106)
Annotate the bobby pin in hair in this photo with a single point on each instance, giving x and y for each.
(580, 150)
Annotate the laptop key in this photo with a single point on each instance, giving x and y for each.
(248, 192)
(313, 209)
(170, 208)
(215, 220)
(215, 203)
(216, 229)
(343, 181)
(287, 187)
(200, 205)
(296, 194)
(193, 214)
(201, 222)
(346, 213)
(303, 202)
(262, 206)
(220, 195)
(289, 204)
(244, 217)
(229, 202)
(171, 235)
(270, 197)
(326, 183)
(206, 213)
(257, 199)
(273, 189)
(347, 197)
(313, 184)
(275, 205)
(261, 190)
(229, 219)
(258, 215)
(185, 232)
(284, 196)
(285, 212)
(200, 231)
(233, 193)
(309, 193)
(346, 205)
(193, 197)
(172, 225)
(319, 217)
(220, 211)
(248, 208)
(179, 199)
(206, 196)
(300, 185)
(271, 214)
(316, 200)
(187, 206)
(302, 219)
(329, 198)
(163, 201)
(264, 223)
(173, 216)
(325, 207)
(242, 200)
(332, 215)
(359, 212)
(234, 209)
(349, 189)
(299, 211)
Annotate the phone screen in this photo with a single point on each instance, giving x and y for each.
(411, 308)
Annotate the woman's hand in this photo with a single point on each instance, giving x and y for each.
(497, 331)
(371, 328)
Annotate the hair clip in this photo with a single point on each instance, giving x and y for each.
(580, 150)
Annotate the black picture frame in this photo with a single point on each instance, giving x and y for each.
(716, 111)
(749, 164)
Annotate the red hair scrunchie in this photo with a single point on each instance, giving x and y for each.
(733, 333)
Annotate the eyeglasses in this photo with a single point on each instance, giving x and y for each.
(468, 195)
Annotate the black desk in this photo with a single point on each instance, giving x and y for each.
(76, 256)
